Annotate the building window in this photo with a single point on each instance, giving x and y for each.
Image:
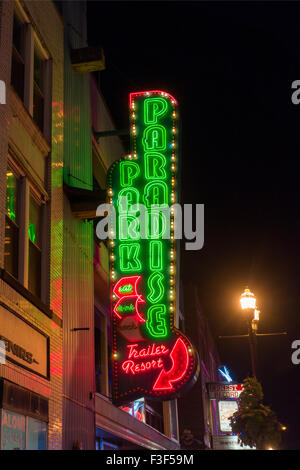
(35, 245)
(38, 89)
(11, 224)
(31, 71)
(154, 415)
(18, 57)
(24, 221)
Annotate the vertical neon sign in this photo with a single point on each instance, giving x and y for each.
(150, 356)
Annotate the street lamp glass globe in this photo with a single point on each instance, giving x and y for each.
(248, 300)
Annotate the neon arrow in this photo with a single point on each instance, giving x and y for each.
(180, 362)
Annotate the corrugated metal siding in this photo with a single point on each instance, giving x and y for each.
(78, 280)
(78, 302)
(111, 148)
(77, 114)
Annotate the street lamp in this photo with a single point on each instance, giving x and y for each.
(248, 304)
(248, 300)
(252, 314)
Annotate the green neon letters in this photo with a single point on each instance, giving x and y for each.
(129, 257)
(156, 193)
(156, 321)
(146, 178)
(128, 172)
(156, 287)
(154, 138)
(155, 164)
(156, 256)
(153, 109)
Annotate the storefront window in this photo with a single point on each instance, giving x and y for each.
(13, 431)
(136, 409)
(36, 434)
(19, 432)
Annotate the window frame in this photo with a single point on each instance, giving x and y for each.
(19, 57)
(16, 171)
(33, 42)
(38, 201)
(27, 189)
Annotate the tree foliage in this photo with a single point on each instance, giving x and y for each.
(255, 424)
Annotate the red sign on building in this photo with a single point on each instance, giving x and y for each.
(221, 391)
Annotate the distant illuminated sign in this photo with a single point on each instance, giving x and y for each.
(225, 373)
(220, 391)
(150, 356)
(226, 409)
(228, 443)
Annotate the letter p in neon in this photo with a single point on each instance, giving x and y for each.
(153, 109)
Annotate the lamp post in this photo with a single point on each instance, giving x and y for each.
(248, 304)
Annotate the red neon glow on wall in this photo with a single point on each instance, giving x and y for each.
(180, 362)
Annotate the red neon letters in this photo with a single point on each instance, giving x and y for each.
(130, 366)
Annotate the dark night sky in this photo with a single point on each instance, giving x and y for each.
(230, 65)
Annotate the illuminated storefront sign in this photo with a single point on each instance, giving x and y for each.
(228, 443)
(226, 409)
(150, 356)
(224, 372)
(221, 391)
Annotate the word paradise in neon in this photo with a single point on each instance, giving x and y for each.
(150, 356)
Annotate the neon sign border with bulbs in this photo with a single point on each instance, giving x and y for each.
(150, 357)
